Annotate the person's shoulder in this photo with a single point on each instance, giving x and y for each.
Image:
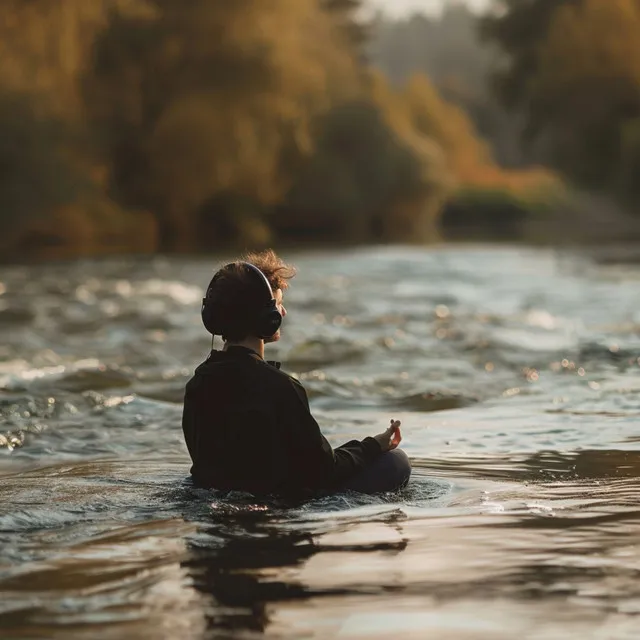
(292, 385)
(205, 371)
(196, 378)
(270, 372)
(277, 374)
(282, 380)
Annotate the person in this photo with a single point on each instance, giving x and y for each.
(247, 424)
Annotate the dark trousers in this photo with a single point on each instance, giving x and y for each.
(388, 472)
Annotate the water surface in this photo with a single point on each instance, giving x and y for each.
(515, 373)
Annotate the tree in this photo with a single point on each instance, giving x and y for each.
(573, 68)
(449, 51)
(431, 116)
(202, 98)
(587, 89)
(518, 27)
(36, 174)
(359, 180)
(345, 12)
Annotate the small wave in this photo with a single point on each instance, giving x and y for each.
(609, 353)
(419, 491)
(11, 440)
(427, 402)
(16, 315)
(314, 353)
(83, 376)
(167, 392)
(35, 519)
(179, 292)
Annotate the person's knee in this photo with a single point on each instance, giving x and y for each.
(400, 459)
(400, 456)
(390, 472)
(398, 465)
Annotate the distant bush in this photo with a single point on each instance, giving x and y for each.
(482, 213)
(36, 170)
(357, 180)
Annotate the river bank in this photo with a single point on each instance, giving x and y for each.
(473, 215)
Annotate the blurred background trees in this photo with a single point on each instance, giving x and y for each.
(574, 68)
(163, 125)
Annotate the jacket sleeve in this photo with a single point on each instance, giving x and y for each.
(315, 464)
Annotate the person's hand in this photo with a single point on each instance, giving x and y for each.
(390, 438)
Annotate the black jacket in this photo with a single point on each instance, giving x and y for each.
(248, 427)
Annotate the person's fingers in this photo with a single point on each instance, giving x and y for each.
(391, 437)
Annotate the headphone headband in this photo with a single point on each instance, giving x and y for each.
(269, 318)
(258, 272)
(251, 267)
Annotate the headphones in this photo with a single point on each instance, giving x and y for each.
(268, 319)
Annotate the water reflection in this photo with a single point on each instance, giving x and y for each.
(240, 575)
(248, 559)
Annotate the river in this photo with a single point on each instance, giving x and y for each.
(515, 372)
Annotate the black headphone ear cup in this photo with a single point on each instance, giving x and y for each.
(210, 318)
(209, 311)
(269, 321)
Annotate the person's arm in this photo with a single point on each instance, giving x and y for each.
(316, 465)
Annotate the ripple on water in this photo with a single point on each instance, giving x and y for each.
(83, 376)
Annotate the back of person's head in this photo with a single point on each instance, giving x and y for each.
(237, 294)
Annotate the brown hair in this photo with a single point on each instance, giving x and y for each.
(276, 270)
(238, 295)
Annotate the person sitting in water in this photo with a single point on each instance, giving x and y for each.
(247, 424)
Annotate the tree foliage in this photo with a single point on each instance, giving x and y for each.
(372, 171)
(203, 98)
(449, 50)
(35, 172)
(576, 74)
(518, 27)
(173, 125)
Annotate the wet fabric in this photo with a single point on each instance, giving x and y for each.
(248, 427)
(388, 472)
